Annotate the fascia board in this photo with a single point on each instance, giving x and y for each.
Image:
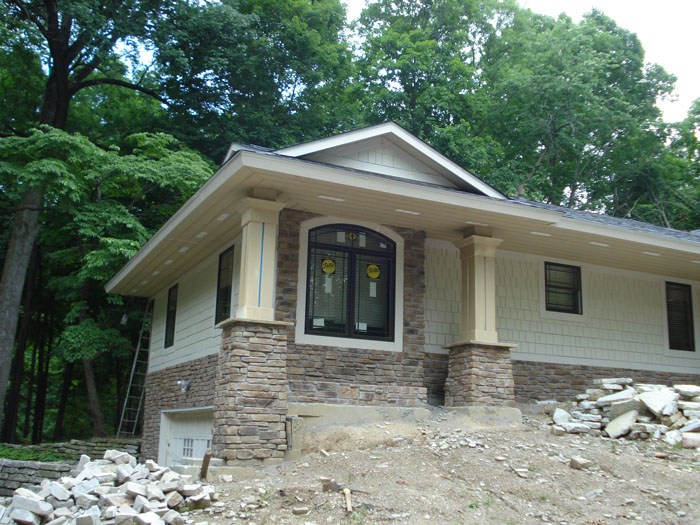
(390, 128)
(208, 188)
(616, 232)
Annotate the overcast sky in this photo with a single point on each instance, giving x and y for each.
(667, 29)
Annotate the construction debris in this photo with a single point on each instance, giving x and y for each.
(616, 407)
(115, 489)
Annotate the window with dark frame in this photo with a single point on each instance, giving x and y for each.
(563, 288)
(170, 317)
(350, 283)
(224, 286)
(679, 311)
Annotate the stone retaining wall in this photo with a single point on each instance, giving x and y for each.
(95, 447)
(310, 366)
(14, 473)
(537, 381)
(163, 393)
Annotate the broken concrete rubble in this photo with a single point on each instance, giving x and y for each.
(115, 489)
(634, 411)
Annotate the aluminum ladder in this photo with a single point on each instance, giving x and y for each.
(133, 404)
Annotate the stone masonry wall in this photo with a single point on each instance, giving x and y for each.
(327, 374)
(537, 381)
(162, 393)
(435, 375)
(479, 374)
(251, 392)
(14, 473)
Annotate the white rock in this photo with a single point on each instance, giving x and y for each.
(560, 416)
(135, 489)
(690, 440)
(25, 517)
(153, 492)
(627, 393)
(687, 390)
(190, 489)
(151, 465)
(174, 499)
(621, 425)
(576, 428)
(140, 503)
(586, 417)
(661, 402)
(587, 405)
(173, 517)
(118, 499)
(123, 473)
(26, 493)
(58, 491)
(67, 513)
(149, 518)
(85, 487)
(110, 512)
(692, 414)
(226, 478)
(688, 405)
(580, 463)
(91, 517)
(84, 460)
(672, 437)
(36, 506)
(85, 501)
(58, 521)
(125, 515)
(613, 381)
(692, 426)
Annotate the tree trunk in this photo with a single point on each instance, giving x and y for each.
(98, 426)
(17, 368)
(42, 384)
(63, 401)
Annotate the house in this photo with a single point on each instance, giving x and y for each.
(368, 270)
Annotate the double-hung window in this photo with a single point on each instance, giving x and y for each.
(679, 311)
(170, 317)
(350, 283)
(563, 288)
(224, 286)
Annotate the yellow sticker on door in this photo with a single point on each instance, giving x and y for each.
(328, 266)
(373, 271)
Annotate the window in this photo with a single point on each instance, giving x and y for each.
(563, 288)
(170, 317)
(224, 286)
(350, 283)
(679, 310)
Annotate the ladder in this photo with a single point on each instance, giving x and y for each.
(131, 411)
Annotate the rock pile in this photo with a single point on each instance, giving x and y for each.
(113, 490)
(616, 407)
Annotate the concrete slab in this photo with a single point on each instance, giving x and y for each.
(316, 415)
(488, 414)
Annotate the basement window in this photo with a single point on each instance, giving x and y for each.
(224, 286)
(679, 311)
(563, 288)
(350, 283)
(170, 317)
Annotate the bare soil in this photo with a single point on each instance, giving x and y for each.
(448, 469)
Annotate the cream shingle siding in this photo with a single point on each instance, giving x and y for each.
(623, 325)
(195, 335)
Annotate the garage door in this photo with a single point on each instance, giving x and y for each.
(187, 435)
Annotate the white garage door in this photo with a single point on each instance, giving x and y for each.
(185, 435)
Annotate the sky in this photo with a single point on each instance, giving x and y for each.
(666, 28)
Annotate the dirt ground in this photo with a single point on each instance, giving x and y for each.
(447, 469)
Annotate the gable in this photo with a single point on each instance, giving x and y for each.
(381, 155)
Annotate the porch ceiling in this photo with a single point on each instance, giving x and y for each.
(343, 193)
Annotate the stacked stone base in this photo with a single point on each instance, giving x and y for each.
(251, 392)
(538, 381)
(479, 374)
(357, 394)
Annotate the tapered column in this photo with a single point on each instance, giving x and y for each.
(256, 296)
(478, 261)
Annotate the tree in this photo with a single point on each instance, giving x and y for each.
(99, 208)
(77, 43)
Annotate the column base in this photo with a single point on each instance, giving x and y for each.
(479, 374)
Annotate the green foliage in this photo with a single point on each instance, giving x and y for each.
(31, 454)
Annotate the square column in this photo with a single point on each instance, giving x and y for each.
(478, 263)
(256, 299)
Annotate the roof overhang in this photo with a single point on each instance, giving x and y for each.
(210, 219)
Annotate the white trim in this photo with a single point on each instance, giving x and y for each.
(400, 134)
(166, 429)
(343, 342)
(683, 354)
(563, 316)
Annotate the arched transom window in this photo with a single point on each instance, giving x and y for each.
(350, 283)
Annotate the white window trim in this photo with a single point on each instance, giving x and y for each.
(345, 342)
(563, 316)
(683, 354)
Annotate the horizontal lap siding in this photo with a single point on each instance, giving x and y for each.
(195, 335)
